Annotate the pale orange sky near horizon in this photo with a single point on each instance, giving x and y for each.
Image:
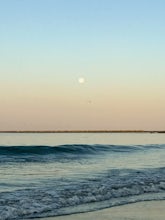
(117, 46)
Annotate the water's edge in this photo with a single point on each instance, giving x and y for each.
(96, 206)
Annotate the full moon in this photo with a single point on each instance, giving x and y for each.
(81, 80)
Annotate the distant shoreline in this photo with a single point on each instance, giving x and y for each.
(84, 131)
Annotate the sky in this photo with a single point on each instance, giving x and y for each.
(116, 46)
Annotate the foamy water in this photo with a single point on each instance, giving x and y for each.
(54, 174)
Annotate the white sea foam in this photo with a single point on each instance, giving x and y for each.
(115, 187)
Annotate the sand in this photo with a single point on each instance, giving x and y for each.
(154, 210)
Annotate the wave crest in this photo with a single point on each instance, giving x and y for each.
(74, 149)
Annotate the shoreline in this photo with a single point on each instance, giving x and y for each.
(146, 210)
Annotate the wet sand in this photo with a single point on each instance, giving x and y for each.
(154, 210)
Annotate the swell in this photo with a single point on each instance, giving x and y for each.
(75, 149)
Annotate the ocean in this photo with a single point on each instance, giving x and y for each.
(51, 174)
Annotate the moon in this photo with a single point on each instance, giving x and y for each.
(81, 80)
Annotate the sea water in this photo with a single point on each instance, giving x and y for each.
(62, 173)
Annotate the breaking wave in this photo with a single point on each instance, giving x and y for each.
(74, 149)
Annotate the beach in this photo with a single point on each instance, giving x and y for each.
(153, 210)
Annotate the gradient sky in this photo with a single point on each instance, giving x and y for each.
(118, 46)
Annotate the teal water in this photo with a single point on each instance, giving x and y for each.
(59, 173)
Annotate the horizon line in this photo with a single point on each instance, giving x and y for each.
(83, 131)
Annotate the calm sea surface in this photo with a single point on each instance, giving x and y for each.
(62, 173)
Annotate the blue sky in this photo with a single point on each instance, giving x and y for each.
(117, 45)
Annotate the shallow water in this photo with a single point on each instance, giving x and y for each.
(48, 174)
